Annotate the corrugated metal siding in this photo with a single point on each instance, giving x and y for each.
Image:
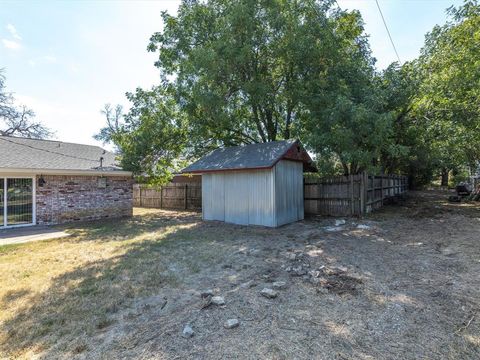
(288, 192)
(239, 197)
(270, 197)
(213, 196)
(261, 198)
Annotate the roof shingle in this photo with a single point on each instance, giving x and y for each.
(254, 156)
(24, 153)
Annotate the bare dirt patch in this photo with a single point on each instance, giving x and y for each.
(404, 285)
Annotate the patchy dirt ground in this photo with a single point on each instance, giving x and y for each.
(404, 284)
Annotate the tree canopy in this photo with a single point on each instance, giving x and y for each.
(249, 71)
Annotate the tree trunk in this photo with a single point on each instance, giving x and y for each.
(444, 177)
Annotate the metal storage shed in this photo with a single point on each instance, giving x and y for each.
(258, 184)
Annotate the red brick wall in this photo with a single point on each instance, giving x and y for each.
(65, 199)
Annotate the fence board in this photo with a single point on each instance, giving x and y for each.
(351, 195)
(333, 196)
(172, 196)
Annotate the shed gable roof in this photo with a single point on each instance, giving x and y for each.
(24, 153)
(254, 156)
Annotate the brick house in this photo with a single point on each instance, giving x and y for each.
(52, 182)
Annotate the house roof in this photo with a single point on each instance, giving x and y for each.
(49, 156)
(254, 156)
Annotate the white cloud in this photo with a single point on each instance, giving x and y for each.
(13, 31)
(11, 44)
(49, 59)
(74, 68)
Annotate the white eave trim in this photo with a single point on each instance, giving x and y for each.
(8, 171)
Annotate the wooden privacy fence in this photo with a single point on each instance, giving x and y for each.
(171, 196)
(334, 196)
(351, 195)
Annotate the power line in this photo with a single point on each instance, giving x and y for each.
(388, 31)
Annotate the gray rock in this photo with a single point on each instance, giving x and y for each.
(231, 323)
(218, 300)
(339, 222)
(333, 228)
(269, 293)
(363, 227)
(279, 285)
(298, 271)
(322, 290)
(188, 332)
(206, 293)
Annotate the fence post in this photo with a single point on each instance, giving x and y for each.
(381, 189)
(365, 192)
(352, 204)
(186, 198)
(362, 193)
(161, 197)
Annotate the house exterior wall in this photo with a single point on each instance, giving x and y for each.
(288, 192)
(65, 199)
(239, 197)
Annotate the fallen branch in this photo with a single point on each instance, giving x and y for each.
(462, 328)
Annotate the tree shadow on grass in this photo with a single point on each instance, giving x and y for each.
(83, 301)
(121, 229)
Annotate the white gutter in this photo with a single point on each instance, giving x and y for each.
(70, 172)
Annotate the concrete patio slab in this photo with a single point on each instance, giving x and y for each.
(28, 234)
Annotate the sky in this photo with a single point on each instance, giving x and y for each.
(66, 59)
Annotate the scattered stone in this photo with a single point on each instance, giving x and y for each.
(218, 300)
(298, 271)
(279, 285)
(231, 323)
(292, 256)
(363, 227)
(339, 222)
(332, 228)
(269, 293)
(314, 273)
(248, 284)
(206, 293)
(321, 290)
(188, 332)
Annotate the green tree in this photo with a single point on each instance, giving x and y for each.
(348, 123)
(151, 137)
(256, 71)
(449, 95)
(239, 67)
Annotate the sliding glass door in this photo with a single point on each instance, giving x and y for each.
(16, 204)
(2, 202)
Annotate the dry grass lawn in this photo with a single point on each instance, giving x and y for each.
(406, 287)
